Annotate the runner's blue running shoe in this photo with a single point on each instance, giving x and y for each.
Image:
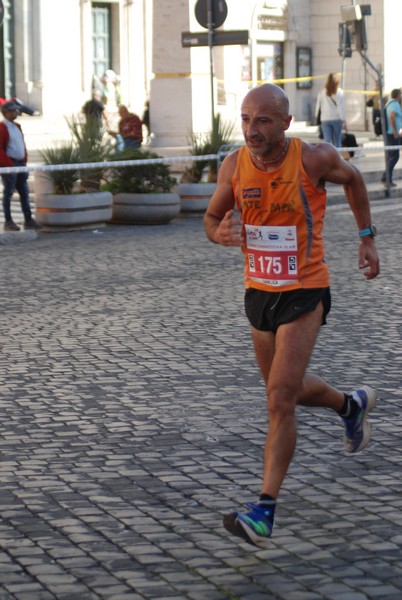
(255, 526)
(357, 428)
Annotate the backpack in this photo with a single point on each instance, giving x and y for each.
(377, 119)
(385, 114)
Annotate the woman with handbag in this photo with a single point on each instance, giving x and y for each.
(331, 108)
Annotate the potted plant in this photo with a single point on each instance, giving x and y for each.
(195, 191)
(142, 193)
(71, 198)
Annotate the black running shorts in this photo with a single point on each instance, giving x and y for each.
(267, 310)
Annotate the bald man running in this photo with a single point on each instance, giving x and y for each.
(277, 185)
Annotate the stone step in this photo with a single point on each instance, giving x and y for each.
(375, 190)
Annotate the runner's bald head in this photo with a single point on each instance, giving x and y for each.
(269, 94)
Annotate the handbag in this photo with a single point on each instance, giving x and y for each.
(377, 121)
(318, 117)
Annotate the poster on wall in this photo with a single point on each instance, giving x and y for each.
(303, 68)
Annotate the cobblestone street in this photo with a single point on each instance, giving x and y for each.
(133, 417)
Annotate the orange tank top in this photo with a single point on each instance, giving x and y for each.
(283, 216)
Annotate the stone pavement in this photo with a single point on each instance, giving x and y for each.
(133, 417)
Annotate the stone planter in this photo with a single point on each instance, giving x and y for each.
(145, 209)
(69, 211)
(195, 197)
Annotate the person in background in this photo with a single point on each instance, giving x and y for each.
(13, 153)
(393, 114)
(111, 95)
(277, 184)
(374, 103)
(94, 109)
(146, 119)
(130, 130)
(331, 105)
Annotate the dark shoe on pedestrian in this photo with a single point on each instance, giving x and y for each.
(255, 526)
(357, 427)
(392, 184)
(11, 226)
(31, 224)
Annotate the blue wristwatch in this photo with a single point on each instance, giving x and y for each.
(370, 231)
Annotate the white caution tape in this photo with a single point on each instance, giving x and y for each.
(154, 161)
(110, 164)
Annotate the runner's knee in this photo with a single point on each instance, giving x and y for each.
(282, 400)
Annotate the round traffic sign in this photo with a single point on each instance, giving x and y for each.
(219, 11)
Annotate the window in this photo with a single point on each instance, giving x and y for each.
(269, 61)
(101, 43)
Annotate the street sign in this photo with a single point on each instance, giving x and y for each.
(219, 11)
(1, 12)
(212, 14)
(219, 38)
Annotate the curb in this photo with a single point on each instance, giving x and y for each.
(17, 237)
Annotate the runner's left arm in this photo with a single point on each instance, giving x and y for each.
(324, 163)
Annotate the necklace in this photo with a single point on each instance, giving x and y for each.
(271, 162)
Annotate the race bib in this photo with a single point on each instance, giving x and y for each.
(272, 254)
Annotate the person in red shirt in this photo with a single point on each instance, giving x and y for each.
(130, 130)
(13, 153)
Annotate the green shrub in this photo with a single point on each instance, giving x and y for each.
(139, 179)
(89, 138)
(88, 145)
(62, 154)
(210, 142)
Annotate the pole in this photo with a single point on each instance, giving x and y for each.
(366, 127)
(383, 122)
(343, 83)
(345, 54)
(211, 61)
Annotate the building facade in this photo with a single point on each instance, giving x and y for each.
(52, 51)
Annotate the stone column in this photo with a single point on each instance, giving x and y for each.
(180, 90)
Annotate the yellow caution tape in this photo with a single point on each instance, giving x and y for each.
(172, 75)
(262, 81)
